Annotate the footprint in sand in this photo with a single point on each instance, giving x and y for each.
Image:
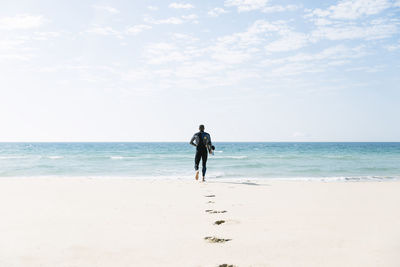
(213, 239)
(210, 196)
(219, 222)
(216, 211)
(209, 202)
(226, 265)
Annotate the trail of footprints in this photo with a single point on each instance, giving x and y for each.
(214, 239)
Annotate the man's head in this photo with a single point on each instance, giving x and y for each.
(201, 127)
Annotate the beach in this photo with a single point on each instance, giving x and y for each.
(152, 222)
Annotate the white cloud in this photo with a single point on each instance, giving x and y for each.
(135, 75)
(10, 44)
(368, 69)
(249, 5)
(153, 8)
(339, 22)
(309, 63)
(215, 12)
(109, 31)
(173, 20)
(393, 47)
(397, 3)
(322, 22)
(108, 9)
(246, 5)
(352, 9)
(302, 63)
(16, 57)
(376, 29)
(273, 9)
(190, 17)
(289, 42)
(242, 46)
(44, 36)
(185, 38)
(263, 32)
(137, 29)
(105, 30)
(160, 53)
(181, 6)
(357, 8)
(21, 22)
(254, 34)
(330, 54)
(231, 56)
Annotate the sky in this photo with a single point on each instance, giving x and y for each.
(250, 70)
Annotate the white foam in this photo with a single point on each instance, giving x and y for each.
(232, 157)
(116, 157)
(55, 157)
(215, 177)
(13, 157)
(121, 157)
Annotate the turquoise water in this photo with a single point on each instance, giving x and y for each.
(345, 161)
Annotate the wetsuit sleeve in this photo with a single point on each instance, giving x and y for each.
(209, 144)
(192, 140)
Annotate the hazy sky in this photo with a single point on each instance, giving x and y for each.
(250, 70)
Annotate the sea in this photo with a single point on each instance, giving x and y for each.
(267, 160)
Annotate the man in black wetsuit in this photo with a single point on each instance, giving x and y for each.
(202, 142)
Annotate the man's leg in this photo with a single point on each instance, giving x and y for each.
(204, 156)
(196, 163)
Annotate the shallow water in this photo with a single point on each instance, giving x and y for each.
(343, 161)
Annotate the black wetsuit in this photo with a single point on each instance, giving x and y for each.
(203, 143)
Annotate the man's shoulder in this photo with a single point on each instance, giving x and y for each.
(204, 133)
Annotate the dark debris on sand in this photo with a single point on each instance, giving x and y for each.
(213, 239)
(226, 265)
(216, 211)
(210, 196)
(219, 222)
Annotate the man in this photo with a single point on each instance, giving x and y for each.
(202, 142)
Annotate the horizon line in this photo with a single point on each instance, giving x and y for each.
(3, 142)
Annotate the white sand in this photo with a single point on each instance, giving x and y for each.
(122, 222)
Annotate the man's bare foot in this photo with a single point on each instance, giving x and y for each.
(197, 175)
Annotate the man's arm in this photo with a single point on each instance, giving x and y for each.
(191, 141)
(209, 144)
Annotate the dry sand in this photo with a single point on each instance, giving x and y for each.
(60, 222)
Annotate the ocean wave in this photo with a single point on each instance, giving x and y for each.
(330, 178)
(339, 157)
(214, 177)
(55, 157)
(117, 157)
(231, 157)
(121, 157)
(13, 157)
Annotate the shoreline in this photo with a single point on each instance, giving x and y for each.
(327, 179)
(133, 222)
